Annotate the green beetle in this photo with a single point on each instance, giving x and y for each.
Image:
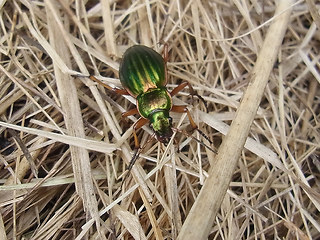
(143, 75)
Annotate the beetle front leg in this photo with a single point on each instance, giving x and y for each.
(138, 149)
(138, 124)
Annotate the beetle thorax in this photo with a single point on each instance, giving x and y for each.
(154, 100)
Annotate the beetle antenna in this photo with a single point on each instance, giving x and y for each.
(204, 136)
(196, 139)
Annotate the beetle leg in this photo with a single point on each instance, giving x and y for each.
(116, 90)
(128, 113)
(183, 109)
(180, 87)
(135, 157)
(131, 112)
(138, 124)
(191, 90)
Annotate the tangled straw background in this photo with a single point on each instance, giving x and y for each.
(65, 148)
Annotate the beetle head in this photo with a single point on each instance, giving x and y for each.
(161, 124)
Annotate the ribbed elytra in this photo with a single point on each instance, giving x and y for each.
(141, 68)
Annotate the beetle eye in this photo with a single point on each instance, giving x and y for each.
(170, 120)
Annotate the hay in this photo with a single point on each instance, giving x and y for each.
(65, 148)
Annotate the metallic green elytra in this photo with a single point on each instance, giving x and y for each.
(143, 74)
(141, 68)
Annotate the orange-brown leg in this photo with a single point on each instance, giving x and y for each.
(180, 87)
(138, 124)
(130, 112)
(135, 157)
(116, 90)
(183, 109)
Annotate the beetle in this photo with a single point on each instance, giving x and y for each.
(143, 75)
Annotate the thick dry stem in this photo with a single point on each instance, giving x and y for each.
(202, 214)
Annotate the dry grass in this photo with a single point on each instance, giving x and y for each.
(65, 149)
